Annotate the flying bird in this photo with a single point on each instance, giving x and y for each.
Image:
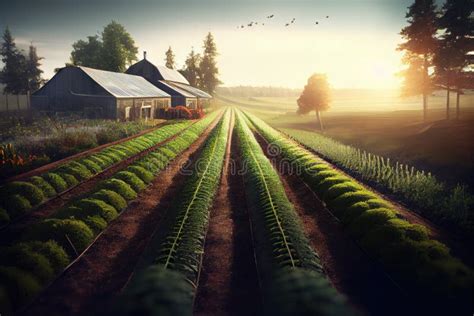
(317, 22)
(270, 16)
(327, 16)
(287, 24)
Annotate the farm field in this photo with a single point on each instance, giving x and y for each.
(227, 215)
(441, 147)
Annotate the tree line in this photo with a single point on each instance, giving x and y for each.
(115, 50)
(21, 73)
(436, 50)
(200, 70)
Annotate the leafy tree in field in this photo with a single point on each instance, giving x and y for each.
(13, 73)
(456, 40)
(87, 52)
(208, 66)
(191, 68)
(114, 51)
(33, 72)
(169, 59)
(315, 97)
(419, 47)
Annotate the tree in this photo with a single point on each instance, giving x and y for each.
(13, 72)
(420, 44)
(169, 59)
(114, 51)
(33, 72)
(208, 66)
(315, 97)
(87, 53)
(456, 40)
(191, 68)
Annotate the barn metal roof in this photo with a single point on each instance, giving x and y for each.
(171, 74)
(195, 91)
(177, 89)
(122, 85)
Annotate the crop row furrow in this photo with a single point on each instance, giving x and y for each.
(293, 280)
(45, 248)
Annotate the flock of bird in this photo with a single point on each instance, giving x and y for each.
(252, 23)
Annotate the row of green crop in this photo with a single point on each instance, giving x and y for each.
(421, 265)
(430, 196)
(46, 247)
(167, 287)
(293, 280)
(19, 197)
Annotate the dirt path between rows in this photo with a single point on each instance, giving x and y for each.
(49, 207)
(228, 283)
(106, 267)
(349, 269)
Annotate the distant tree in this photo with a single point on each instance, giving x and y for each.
(13, 73)
(118, 48)
(169, 59)
(87, 53)
(191, 68)
(315, 97)
(33, 71)
(420, 44)
(208, 66)
(114, 51)
(456, 40)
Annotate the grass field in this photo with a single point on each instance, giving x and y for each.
(443, 147)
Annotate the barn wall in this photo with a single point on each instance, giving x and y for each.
(72, 91)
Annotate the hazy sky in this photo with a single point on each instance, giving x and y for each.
(355, 46)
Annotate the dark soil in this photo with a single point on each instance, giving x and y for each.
(228, 283)
(107, 265)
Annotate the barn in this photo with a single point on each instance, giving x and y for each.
(97, 93)
(172, 82)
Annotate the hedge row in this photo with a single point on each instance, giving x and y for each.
(168, 286)
(421, 265)
(73, 228)
(19, 197)
(293, 279)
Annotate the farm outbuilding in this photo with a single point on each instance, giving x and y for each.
(97, 93)
(172, 82)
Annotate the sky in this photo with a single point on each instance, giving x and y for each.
(355, 46)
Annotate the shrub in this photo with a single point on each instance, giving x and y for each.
(24, 258)
(16, 205)
(112, 198)
(91, 207)
(56, 182)
(95, 223)
(20, 285)
(315, 179)
(91, 165)
(4, 217)
(338, 189)
(327, 183)
(130, 178)
(144, 175)
(369, 220)
(44, 186)
(60, 230)
(29, 191)
(99, 161)
(343, 202)
(120, 187)
(354, 211)
(69, 179)
(55, 254)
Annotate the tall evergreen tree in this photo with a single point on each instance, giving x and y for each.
(169, 58)
(33, 71)
(456, 40)
(419, 45)
(208, 66)
(191, 68)
(13, 73)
